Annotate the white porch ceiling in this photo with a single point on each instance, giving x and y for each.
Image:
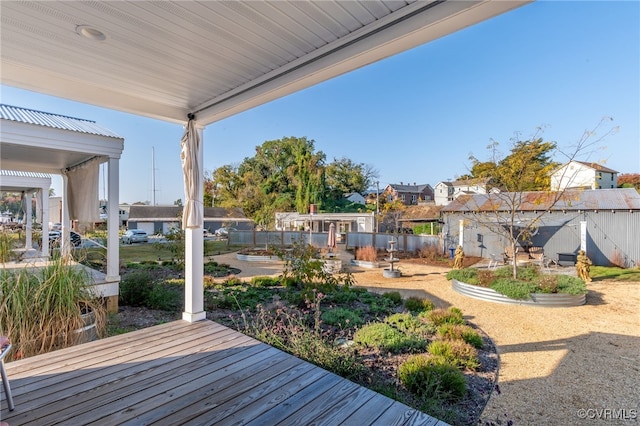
(165, 59)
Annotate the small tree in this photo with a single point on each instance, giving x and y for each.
(527, 168)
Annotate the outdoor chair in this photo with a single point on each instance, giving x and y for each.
(5, 381)
(495, 260)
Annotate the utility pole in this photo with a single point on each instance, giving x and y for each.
(377, 205)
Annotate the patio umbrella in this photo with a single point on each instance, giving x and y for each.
(190, 147)
(331, 238)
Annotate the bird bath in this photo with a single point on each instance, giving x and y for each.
(390, 272)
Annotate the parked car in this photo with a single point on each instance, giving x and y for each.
(74, 237)
(135, 236)
(224, 232)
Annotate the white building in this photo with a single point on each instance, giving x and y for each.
(446, 192)
(581, 175)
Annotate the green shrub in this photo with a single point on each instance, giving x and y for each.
(571, 285)
(135, 288)
(461, 332)
(342, 317)
(515, 289)
(394, 296)
(407, 323)
(445, 316)
(466, 275)
(416, 304)
(432, 377)
(165, 297)
(388, 338)
(265, 281)
(456, 352)
(527, 273)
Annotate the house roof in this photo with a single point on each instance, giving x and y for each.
(166, 59)
(591, 199)
(410, 188)
(173, 213)
(56, 121)
(597, 167)
(468, 182)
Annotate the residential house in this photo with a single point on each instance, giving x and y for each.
(597, 221)
(409, 194)
(162, 219)
(354, 197)
(582, 175)
(446, 192)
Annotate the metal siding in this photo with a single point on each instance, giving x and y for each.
(607, 232)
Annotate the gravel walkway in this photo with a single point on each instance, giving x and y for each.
(559, 366)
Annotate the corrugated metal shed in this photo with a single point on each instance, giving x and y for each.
(590, 199)
(56, 121)
(611, 217)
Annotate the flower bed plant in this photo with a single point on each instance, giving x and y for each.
(529, 281)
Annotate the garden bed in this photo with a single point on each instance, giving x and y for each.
(537, 299)
(257, 255)
(365, 264)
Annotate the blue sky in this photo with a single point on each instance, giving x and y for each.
(417, 116)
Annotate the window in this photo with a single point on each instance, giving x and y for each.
(414, 198)
(402, 197)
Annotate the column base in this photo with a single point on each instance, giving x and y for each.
(193, 317)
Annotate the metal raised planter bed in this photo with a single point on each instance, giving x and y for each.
(256, 258)
(537, 299)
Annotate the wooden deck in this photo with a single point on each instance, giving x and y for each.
(189, 374)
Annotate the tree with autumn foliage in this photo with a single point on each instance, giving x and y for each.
(629, 180)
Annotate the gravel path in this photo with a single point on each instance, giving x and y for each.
(559, 366)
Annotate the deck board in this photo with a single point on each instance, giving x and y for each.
(182, 373)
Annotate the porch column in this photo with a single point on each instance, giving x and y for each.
(583, 235)
(194, 256)
(461, 232)
(43, 214)
(65, 242)
(113, 221)
(28, 221)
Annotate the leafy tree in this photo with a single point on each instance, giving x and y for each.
(526, 168)
(284, 175)
(629, 180)
(344, 176)
(392, 212)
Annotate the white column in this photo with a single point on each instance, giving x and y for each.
(460, 232)
(65, 242)
(28, 222)
(113, 221)
(583, 236)
(43, 208)
(194, 259)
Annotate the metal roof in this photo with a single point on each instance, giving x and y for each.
(14, 173)
(56, 121)
(570, 200)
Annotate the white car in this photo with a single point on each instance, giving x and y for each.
(135, 236)
(224, 232)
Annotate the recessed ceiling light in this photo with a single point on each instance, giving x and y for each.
(90, 33)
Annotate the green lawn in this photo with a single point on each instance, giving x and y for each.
(613, 273)
(155, 251)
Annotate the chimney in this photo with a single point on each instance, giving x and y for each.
(401, 183)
